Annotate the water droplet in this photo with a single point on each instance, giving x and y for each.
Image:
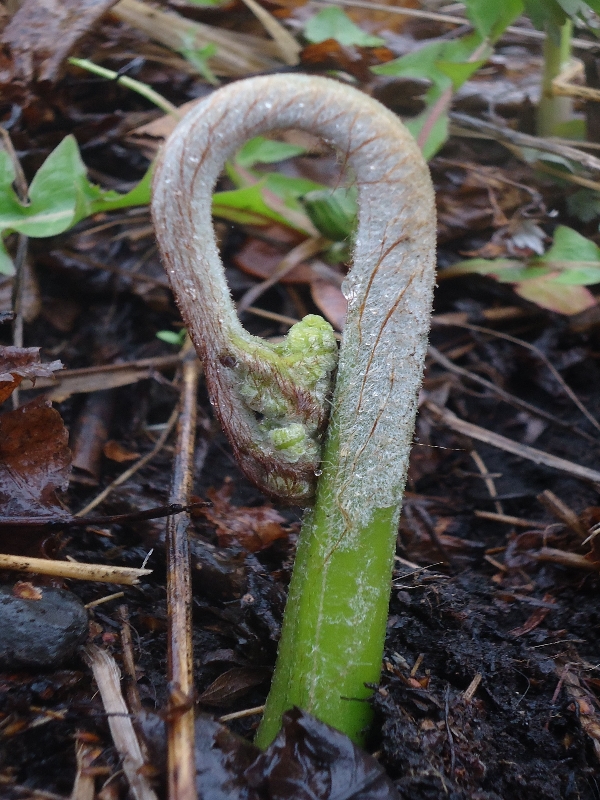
(318, 473)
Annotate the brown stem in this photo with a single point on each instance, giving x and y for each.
(181, 756)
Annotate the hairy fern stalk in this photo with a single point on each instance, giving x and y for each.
(273, 401)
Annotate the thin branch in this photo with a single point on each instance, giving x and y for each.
(180, 733)
(512, 399)
(510, 446)
(532, 348)
(74, 569)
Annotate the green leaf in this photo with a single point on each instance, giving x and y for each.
(545, 13)
(291, 188)
(568, 246)
(446, 65)
(491, 19)
(6, 265)
(247, 206)
(171, 337)
(333, 212)
(421, 64)
(425, 62)
(199, 58)
(60, 194)
(548, 280)
(585, 276)
(260, 200)
(53, 195)
(584, 204)
(459, 72)
(140, 195)
(333, 23)
(266, 151)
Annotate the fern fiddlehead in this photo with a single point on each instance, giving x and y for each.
(271, 400)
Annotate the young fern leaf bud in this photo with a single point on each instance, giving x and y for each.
(272, 399)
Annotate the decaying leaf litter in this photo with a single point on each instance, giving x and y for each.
(489, 685)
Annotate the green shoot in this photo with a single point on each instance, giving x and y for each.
(273, 402)
(137, 86)
(171, 337)
(199, 58)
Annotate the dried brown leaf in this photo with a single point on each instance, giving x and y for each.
(41, 35)
(252, 528)
(231, 685)
(116, 452)
(17, 363)
(330, 301)
(35, 462)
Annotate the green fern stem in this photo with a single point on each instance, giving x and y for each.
(553, 110)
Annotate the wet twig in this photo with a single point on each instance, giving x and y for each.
(106, 675)
(512, 399)
(510, 446)
(181, 757)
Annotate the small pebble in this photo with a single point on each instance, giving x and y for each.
(39, 633)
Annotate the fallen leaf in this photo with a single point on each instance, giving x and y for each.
(41, 35)
(330, 54)
(310, 759)
(555, 296)
(116, 452)
(35, 463)
(330, 301)
(231, 685)
(27, 591)
(261, 257)
(17, 363)
(252, 528)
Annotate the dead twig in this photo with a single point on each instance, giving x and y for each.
(504, 134)
(84, 787)
(563, 512)
(133, 695)
(512, 399)
(302, 252)
(180, 729)
(487, 479)
(510, 446)
(567, 559)
(518, 522)
(528, 346)
(106, 675)
(74, 570)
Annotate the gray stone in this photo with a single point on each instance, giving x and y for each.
(40, 633)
